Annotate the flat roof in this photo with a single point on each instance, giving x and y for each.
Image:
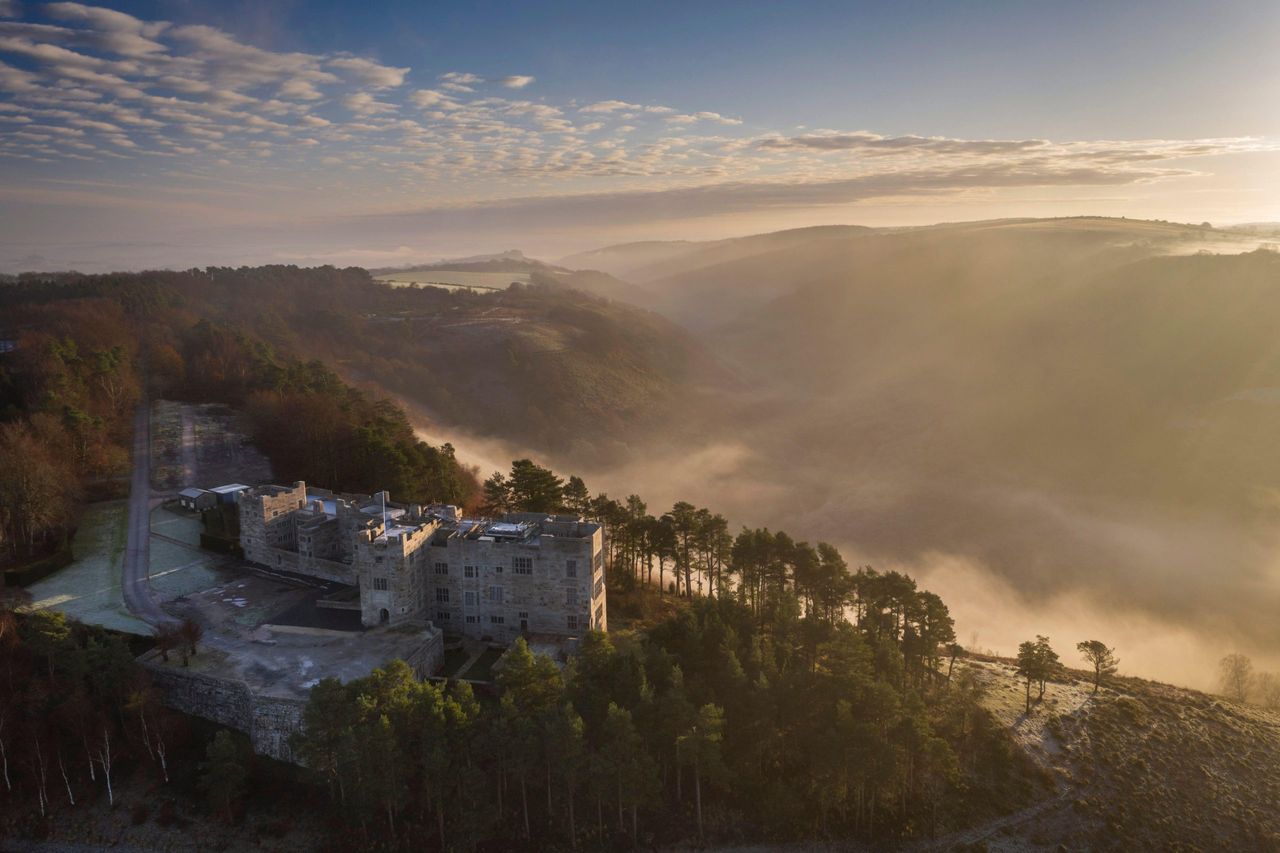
(230, 487)
(378, 510)
(330, 505)
(395, 531)
(194, 492)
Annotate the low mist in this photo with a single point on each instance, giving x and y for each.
(1061, 428)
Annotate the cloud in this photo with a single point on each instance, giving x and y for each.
(299, 89)
(625, 207)
(460, 81)
(232, 64)
(427, 98)
(364, 104)
(702, 116)
(115, 31)
(865, 140)
(152, 88)
(370, 73)
(516, 81)
(609, 107)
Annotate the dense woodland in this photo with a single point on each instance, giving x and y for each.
(782, 696)
(69, 390)
(519, 363)
(77, 717)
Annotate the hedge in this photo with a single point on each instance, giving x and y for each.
(38, 570)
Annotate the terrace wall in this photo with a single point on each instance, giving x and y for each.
(267, 720)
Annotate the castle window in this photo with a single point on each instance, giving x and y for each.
(442, 568)
(497, 567)
(599, 590)
(599, 615)
(470, 597)
(495, 594)
(381, 584)
(522, 565)
(571, 568)
(442, 594)
(473, 620)
(571, 622)
(523, 614)
(468, 571)
(442, 615)
(497, 620)
(570, 596)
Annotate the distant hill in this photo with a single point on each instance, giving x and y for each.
(655, 260)
(588, 281)
(708, 284)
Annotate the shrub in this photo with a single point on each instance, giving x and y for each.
(1132, 710)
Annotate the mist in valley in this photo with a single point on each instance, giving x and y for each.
(1062, 428)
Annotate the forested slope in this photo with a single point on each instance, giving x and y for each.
(86, 350)
(545, 365)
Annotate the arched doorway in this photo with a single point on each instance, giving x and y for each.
(384, 616)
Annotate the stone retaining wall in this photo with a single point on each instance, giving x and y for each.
(267, 720)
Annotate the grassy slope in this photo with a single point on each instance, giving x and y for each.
(1141, 766)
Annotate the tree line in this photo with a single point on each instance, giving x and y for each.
(308, 421)
(788, 697)
(76, 715)
(708, 725)
(1240, 682)
(67, 395)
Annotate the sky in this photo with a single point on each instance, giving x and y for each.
(188, 133)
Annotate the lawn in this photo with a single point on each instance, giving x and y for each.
(90, 588)
(482, 669)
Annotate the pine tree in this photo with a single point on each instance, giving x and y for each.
(224, 773)
(1101, 658)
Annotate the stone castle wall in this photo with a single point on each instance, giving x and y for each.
(558, 594)
(267, 720)
(268, 528)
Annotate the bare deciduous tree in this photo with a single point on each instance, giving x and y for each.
(1236, 676)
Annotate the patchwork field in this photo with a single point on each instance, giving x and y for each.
(455, 279)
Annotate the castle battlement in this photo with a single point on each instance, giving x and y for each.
(524, 573)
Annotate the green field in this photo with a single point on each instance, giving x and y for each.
(89, 588)
(454, 279)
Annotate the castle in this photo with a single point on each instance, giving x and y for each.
(495, 580)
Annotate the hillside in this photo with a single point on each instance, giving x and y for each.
(701, 281)
(1075, 411)
(592, 282)
(544, 365)
(707, 284)
(553, 370)
(1131, 765)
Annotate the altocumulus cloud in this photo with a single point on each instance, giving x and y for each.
(116, 95)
